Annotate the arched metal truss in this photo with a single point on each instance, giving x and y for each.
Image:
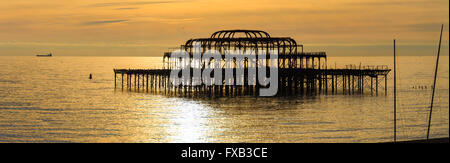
(248, 34)
(290, 54)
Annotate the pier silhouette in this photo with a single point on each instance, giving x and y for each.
(299, 72)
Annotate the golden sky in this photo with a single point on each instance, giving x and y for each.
(149, 27)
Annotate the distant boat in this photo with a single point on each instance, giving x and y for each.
(44, 55)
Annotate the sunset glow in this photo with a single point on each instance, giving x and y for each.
(148, 27)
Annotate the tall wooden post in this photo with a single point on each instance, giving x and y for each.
(434, 85)
(395, 97)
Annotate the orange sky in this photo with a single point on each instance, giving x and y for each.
(149, 27)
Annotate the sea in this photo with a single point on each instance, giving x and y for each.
(52, 99)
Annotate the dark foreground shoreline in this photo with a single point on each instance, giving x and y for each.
(435, 140)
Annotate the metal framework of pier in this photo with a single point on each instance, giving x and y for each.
(299, 72)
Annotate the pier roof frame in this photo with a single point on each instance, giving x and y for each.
(253, 40)
(248, 33)
(283, 44)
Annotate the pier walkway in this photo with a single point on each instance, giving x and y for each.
(291, 82)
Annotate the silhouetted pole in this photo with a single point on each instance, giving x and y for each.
(395, 97)
(434, 84)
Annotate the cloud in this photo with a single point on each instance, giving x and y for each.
(73, 44)
(398, 2)
(127, 8)
(104, 22)
(131, 3)
(426, 27)
(174, 20)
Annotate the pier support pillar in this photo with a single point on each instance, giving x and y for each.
(385, 84)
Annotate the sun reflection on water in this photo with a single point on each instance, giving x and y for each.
(189, 122)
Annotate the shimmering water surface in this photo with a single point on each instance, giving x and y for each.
(52, 100)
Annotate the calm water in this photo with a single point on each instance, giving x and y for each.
(52, 100)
